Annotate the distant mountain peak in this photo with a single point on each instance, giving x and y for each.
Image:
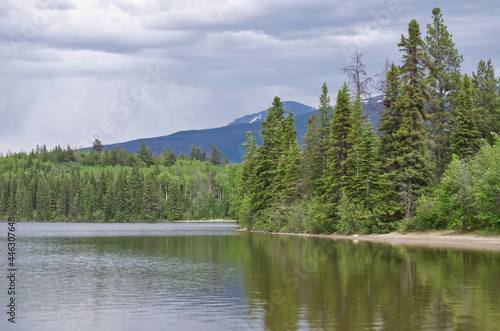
(297, 109)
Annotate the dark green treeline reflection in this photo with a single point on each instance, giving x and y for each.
(291, 282)
(323, 284)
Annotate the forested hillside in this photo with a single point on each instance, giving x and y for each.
(101, 185)
(435, 163)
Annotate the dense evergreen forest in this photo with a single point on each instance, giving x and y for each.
(434, 162)
(102, 185)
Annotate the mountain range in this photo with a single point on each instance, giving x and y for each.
(229, 139)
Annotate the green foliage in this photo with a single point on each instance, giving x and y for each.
(468, 197)
(348, 223)
(215, 156)
(44, 185)
(443, 63)
(316, 144)
(465, 138)
(334, 178)
(486, 100)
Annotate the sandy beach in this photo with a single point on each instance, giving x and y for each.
(205, 221)
(429, 239)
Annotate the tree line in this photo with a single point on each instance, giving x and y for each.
(433, 163)
(101, 185)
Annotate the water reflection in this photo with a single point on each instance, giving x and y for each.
(201, 276)
(340, 285)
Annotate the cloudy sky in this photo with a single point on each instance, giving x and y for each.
(72, 71)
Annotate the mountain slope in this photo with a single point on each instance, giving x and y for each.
(229, 139)
(297, 109)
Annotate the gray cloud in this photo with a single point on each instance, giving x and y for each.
(68, 66)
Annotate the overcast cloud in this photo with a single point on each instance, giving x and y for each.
(72, 71)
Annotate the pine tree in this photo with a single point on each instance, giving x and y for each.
(11, 205)
(91, 202)
(121, 194)
(248, 162)
(152, 203)
(316, 143)
(443, 62)
(353, 180)
(391, 117)
(174, 206)
(486, 100)
(465, 138)
(96, 146)
(312, 160)
(369, 167)
(63, 197)
(215, 157)
(267, 157)
(168, 157)
(135, 193)
(3, 194)
(145, 155)
(285, 187)
(334, 178)
(412, 171)
(195, 153)
(41, 198)
(108, 206)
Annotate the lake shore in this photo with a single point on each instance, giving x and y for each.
(204, 221)
(430, 239)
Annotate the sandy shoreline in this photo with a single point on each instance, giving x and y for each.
(429, 239)
(205, 221)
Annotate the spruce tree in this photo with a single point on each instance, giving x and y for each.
(412, 171)
(145, 155)
(174, 204)
(267, 157)
(11, 205)
(135, 199)
(215, 157)
(391, 117)
(286, 180)
(316, 143)
(194, 153)
(486, 100)
(312, 160)
(3, 194)
(334, 178)
(369, 167)
(248, 162)
(443, 62)
(353, 180)
(465, 138)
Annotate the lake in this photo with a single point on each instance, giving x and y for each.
(208, 276)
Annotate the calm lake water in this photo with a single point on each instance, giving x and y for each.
(195, 276)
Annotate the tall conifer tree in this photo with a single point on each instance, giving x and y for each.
(486, 100)
(334, 179)
(412, 171)
(267, 156)
(443, 62)
(465, 138)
